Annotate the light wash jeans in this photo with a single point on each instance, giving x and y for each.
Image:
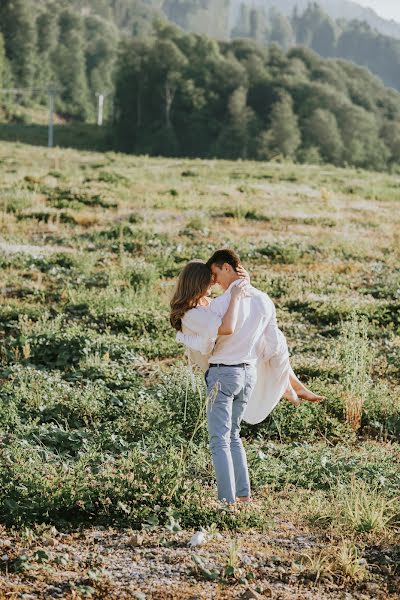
(228, 390)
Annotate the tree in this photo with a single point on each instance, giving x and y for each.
(17, 24)
(283, 136)
(324, 38)
(236, 137)
(2, 60)
(391, 136)
(167, 61)
(257, 25)
(280, 30)
(131, 88)
(68, 61)
(100, 53)
(47, 40)
(321, 130)
(363, 146)
(242, 26)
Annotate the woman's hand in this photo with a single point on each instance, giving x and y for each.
(229, 321)
(239, 290)
(243, 274)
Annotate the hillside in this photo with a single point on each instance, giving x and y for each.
(336, 9)
(169, 92)
(314, 27)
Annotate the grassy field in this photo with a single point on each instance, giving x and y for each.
(94, 445)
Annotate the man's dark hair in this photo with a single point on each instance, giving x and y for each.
(220, 257)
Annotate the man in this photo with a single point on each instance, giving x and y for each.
(248, 371)
(231, 378)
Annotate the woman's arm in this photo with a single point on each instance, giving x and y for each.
(229, 320)
(196, 342)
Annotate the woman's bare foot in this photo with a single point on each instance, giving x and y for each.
(306, 394)
(292, 396)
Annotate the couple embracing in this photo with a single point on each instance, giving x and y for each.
(236, 341)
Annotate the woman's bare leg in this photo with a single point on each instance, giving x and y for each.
(301, 390)
(291, 395)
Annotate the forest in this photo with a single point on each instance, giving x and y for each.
(352, 40)
(182, 94)
(260, 95)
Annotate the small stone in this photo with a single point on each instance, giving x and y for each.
(372, 587)
(135, 540)
(251, 595)
(139, 596)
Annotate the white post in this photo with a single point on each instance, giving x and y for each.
(100, 109)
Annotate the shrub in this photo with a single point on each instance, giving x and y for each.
(142, 275)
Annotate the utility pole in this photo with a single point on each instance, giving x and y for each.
(51, 94)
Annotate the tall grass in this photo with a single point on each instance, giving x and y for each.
(366, 509)
(356, 356)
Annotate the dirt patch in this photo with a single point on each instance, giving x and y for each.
(106, 563)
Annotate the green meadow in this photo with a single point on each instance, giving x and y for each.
(103, 429)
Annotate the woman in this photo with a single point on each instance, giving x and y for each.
(198, 327)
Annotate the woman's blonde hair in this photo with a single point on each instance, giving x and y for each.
(192, 285)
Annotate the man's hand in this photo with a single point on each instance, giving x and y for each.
(243, 274)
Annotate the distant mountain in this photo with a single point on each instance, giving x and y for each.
(336, 9)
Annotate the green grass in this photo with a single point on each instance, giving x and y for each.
(92, 426)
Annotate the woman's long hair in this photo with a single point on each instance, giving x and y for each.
(192, 285)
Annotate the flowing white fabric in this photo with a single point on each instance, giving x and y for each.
(199, 331)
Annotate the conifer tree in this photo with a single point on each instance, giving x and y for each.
(17, 24)
(69, 65)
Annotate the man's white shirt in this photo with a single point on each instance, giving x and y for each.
(254, 312)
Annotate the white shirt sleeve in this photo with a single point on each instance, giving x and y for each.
(203, 325)
(196, 342)
(220, 305)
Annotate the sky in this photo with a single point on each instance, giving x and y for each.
(390, 9)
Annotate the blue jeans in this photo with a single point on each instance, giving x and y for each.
(228, 390)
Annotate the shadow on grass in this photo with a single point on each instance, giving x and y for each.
(81, 136)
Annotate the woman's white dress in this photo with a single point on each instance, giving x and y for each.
(199, 331)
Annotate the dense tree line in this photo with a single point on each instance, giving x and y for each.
(351, 40)
(186, 94)
(46, 44)
(72, 44)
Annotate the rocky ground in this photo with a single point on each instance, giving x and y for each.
(286, 563)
